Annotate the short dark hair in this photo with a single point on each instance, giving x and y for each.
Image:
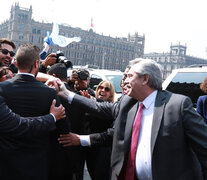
(7, 41)
(26, 55)
(60, 70)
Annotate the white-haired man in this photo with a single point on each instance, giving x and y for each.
(172, 138)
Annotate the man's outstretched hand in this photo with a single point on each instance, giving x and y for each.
(70, 139)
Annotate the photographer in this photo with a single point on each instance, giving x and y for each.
(79, 80)
(54, 58)
(49, 61)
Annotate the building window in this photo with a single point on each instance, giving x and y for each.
(35, 39)
(80, 46)
(72, 54)
(44, 32)
(38, 31)
(81, 55)
(21, 27)
(34, 31)
(21, 36)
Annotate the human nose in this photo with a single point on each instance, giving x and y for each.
(126, 80)
(8, 55)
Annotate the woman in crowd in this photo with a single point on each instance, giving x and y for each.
(99, 140)
(202, 101)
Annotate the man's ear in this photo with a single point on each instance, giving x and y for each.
(36, 63)
(15, 63)
(54, 75)
(145, 79)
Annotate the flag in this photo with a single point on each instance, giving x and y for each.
(56, 39)
(91, 22)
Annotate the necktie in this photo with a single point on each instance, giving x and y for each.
(130, 168)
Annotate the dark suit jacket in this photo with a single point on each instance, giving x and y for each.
(26, 158)
(102, 138)
(99, 153)
(105, 137)
(178, 141)
(202, 106)
(15, 125)
(69, 161)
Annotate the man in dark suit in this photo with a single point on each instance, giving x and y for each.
(69, 162)
(15, 125)
(64, 160)
(172, 142)
(27, 158)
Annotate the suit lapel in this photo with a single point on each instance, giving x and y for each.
(157, 117)
(129, 124)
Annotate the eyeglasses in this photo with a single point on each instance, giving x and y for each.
(107, 89)
(6, 51)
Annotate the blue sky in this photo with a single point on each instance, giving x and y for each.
(162, 21)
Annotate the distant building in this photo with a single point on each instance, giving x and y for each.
(174, 59)
(102, 51)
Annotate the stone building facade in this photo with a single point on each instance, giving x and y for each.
(176, 58)
(103, 51)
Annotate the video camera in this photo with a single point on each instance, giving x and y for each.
(62, 59)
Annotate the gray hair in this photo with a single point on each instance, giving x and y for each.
(134, 61)
(152, 68)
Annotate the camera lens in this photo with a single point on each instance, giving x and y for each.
(62, 59)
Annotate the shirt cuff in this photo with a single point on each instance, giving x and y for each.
(53, 117)
(85, 140)
(70, 97)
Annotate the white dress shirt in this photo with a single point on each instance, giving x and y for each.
(70, 97)
(143, 155)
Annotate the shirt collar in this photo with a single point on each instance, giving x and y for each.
(150, 99)
(29, 74)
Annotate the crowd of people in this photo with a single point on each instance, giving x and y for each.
(51, 130)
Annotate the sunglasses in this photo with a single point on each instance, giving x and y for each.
(5, 52)
(105, 88)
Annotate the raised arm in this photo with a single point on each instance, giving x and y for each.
(15, 125)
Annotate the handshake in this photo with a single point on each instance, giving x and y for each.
(59, 86)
